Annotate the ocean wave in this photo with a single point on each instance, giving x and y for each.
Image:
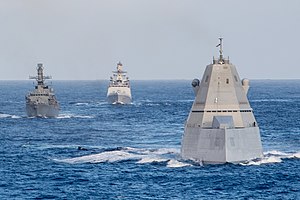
(9, 116)
(169, 156)
(272, 157)
(81, 104)
(142, 156)
(59, 146)
(272, 100)
(88, 103)
(159, 103)
(152, 160)
(109, 156)
(175, 164)
(68, 116)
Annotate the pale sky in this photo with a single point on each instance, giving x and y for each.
(154, 39)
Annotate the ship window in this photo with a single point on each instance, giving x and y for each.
(227, 80)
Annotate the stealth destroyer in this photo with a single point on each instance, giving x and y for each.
(119, 91)
(221, 126)
(41, 102)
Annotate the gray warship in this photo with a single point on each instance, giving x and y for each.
(119, 91)
(41, 102)
(221, 127)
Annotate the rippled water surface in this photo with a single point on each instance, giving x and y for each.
(132, 151)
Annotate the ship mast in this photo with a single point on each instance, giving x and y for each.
(40, 77)
(221, 61)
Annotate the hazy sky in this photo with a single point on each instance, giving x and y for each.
(154, 39)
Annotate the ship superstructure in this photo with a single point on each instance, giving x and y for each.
(119, 91)
(41, 102)
(221, 126)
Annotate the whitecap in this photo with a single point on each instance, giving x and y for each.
(109, 156)
(127, 153)
(162, 151)
(81, 104)
(2, 115)
(68, 116)
(152, 160)
(293, 155)
(175, 164)
(267, 160)
(273, 156)
(275, 152)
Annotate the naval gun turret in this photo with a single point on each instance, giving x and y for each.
(221, 126)
(41, 102)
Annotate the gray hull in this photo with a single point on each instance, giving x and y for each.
(118, 99)
(217, 146)
(42, 110)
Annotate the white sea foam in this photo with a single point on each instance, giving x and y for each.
(166, 151)
(168, 155)
(175, 164)
(275, 152)
(109, 156)
(81, 104)
(265, 160)
(9, 116)
(152, 160)
(160, 151)
(272, 157)
(102, 103)
(68, 116)
(295, 155)
(152, 104)
(142, 156)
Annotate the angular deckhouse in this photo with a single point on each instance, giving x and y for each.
(221, 126)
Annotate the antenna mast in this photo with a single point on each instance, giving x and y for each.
(221, 48)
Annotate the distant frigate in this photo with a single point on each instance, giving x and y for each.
(41, 102)
(221, 126)
(119, 87)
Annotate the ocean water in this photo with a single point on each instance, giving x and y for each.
(132, 151)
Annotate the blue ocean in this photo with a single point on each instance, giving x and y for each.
(95, 150)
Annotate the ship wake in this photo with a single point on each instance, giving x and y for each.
(272, 157)
(69, 116)
(2, 115)
(168, 156)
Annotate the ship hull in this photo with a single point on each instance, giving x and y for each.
(119, 95)
(42, 110)
(218, 146)
(118, 99)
